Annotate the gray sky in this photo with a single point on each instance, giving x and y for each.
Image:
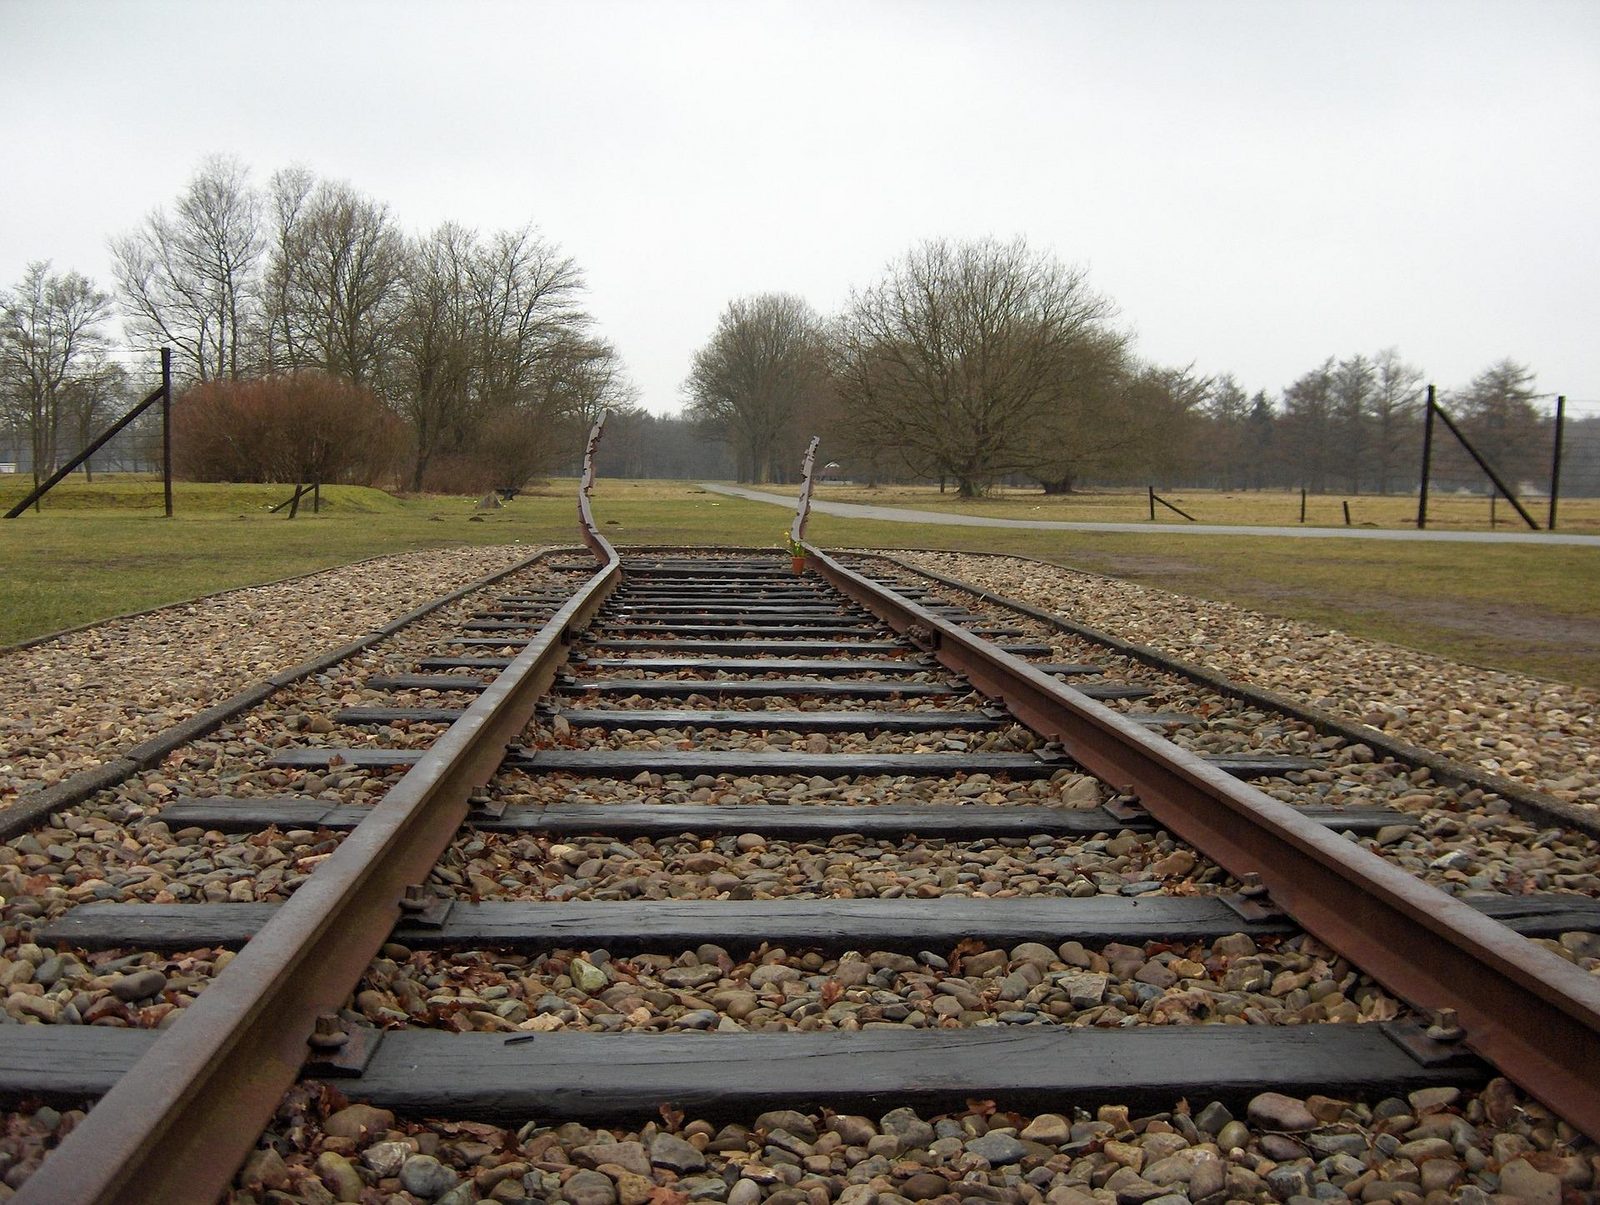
(1257, 185)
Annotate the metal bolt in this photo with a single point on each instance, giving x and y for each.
(329, 1033)
(1445, 1027)
(1253, 888)
(416, 898)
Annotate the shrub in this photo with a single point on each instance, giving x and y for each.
(299, 427)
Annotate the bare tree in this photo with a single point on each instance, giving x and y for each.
(1353, 382)
(1165, 406)
(1306, 430)
(490, 355)
(50, 332)
(431, 378)
(764, 366)
(1396, 401)
(526, 300)
(580, 376)
(287, 193)
(573, 381)
(189, 278)
(1092, 422)
(956, 357)
(89, 396)
(336, 279)
(1227, 411)
(1261, 441)
(1497, 413)
(451, 329)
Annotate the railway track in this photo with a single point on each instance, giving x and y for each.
(868, 834)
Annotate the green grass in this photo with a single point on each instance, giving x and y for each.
(125, 493)
(1260, 508)
(1505, 606)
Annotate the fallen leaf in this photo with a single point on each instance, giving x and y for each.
(967, 945)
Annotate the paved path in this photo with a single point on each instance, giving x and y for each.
(855, 510)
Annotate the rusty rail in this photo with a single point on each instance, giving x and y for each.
(1533, 1015)
(177, 1126)
(586, 526)
(802, 510)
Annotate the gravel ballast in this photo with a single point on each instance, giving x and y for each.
(75, 702)
(1545, 734)
(1437, 1144)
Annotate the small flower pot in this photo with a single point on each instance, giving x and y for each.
(797, 563)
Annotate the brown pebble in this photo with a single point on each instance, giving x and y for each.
(358, 1121)
(1275, 1111)
(924, 1186)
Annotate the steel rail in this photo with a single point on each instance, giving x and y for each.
(586, 525)
(177, 1126)
(28, 811)
(1526, 801)
(1524, 1009)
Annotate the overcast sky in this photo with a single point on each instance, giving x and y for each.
(1257, 185)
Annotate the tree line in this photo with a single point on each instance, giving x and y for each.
(303, 311)
(982, 362)
(316, 338)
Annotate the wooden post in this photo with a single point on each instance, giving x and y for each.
(1493, 494)
(1347, 512)
(316, 496)
(1302, 504)
(1555, 461)
(1152, 490)
(166, 428)
(1506, 491)
(1427, 462)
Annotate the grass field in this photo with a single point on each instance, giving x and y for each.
(1448, 512)
(1513, 607)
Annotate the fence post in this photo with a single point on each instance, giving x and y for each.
(316, 495)
(1347, 512)
(1177, 510)
(1427, 462)
(1488, 470)
(166, 428)
(1494, 494)
(1152, 490)
(1555, 461)
(99, 442)
(1302, 504)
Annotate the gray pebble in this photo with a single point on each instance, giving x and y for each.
(139, 985)
(997, 1148)
(426, 1177)
(670, 1151)
(905, 1125)
(590, 1188)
